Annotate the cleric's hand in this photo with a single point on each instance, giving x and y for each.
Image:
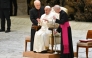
(38, 19)
(55, 32)
(54, 17)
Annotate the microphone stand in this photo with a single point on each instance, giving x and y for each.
(55, 40)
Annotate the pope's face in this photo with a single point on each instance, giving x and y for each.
(47, 11)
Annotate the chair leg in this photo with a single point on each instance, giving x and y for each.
(77, 51)
(87, 52)
(25, 45)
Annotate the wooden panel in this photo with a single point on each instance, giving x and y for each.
(41, 55)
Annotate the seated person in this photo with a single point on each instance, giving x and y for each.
(42, 36)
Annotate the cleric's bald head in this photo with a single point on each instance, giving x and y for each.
(37, 4)
(57, 8)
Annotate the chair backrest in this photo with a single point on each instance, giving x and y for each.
(89, 34)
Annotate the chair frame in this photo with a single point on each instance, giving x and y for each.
(27, 39)
(89, 35)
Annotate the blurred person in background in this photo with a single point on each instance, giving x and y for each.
(5, 14)
(13, 7)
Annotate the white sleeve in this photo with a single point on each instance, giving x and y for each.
(40, 23)
(51, 20)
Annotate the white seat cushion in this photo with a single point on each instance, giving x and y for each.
(84, 43)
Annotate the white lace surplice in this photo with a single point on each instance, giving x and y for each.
(42, 37)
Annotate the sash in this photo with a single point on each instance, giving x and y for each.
(65, 37)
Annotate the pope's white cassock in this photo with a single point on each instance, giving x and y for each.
(42, 36)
